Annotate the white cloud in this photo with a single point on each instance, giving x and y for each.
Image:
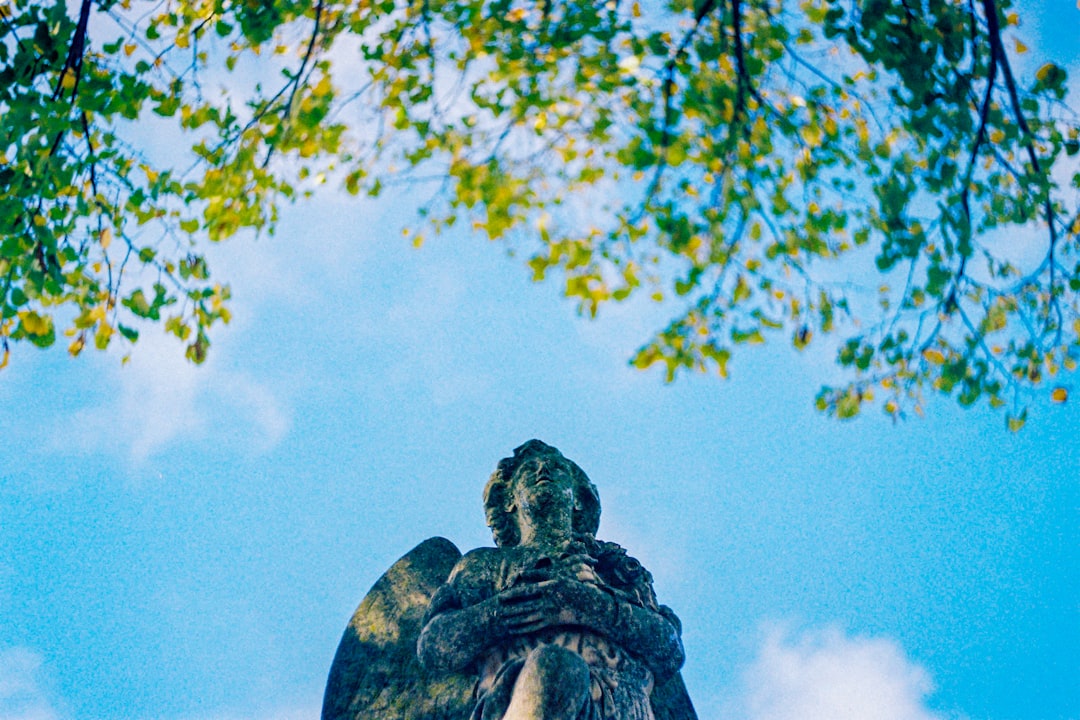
(825, 674)
(22, 696)
(160, 398)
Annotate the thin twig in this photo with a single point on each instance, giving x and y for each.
(297, 79)
(1028, 140)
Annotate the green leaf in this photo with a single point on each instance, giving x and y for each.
(1015, 422)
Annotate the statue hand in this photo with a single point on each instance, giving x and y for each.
(529, 608)
(579, 566)
(582, 567)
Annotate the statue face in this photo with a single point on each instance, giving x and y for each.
(542, 489)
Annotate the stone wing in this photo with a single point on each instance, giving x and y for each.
(670, 701)
(375, 674)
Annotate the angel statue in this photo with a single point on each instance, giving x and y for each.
(551, 624)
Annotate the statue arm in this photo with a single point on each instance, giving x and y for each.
(454, 636)
(648, 634)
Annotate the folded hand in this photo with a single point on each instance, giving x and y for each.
(532, 607)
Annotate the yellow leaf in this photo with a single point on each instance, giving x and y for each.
(811, 134)
(103, 335)
(933, 356)
(630, 64)
(129, 48)
(105, 238)
(1059, 395)
(1012, 19)
(1021, 48)
(4, 359)
(33, 323)
(76, 347)
(323, 87)
(40, 220)
(862, 130)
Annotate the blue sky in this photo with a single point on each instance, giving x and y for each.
(188, 543)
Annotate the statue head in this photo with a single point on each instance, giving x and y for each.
(532, 457)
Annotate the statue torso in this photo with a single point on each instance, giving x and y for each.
(621, 684)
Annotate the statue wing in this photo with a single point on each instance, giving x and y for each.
(670, 701)
(375, 674)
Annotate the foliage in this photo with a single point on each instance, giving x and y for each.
(751, 158)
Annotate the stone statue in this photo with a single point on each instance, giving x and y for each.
(551, 624)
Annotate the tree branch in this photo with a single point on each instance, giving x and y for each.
(74, 59)
(669, 86)
(297, 79)
(1028, 140)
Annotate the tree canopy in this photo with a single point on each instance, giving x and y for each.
(876, 173)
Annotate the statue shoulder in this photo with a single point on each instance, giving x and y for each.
(477, 569)
(481, 554)
(480, 560)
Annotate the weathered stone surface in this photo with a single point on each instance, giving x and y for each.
(552, 624)
(671, 701)
(375, 673)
